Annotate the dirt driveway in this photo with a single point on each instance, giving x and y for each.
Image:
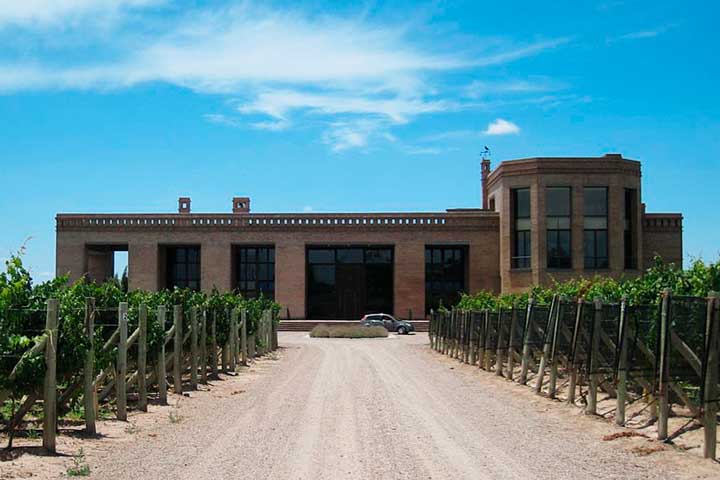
(383, 408)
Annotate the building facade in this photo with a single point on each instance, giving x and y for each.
(542, 219)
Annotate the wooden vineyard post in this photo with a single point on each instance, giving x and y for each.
(481, 339)
(453, 334)
(213, 345)
(203, 347)
(431, 327)
(711, 394)
(662, 397)
(554, 360)
(546, 347)
(471, 338)
(511, 336)
(161, 372)
(224, 352)
(591, 407)
(243, 338)
(50, 384)
(573, 367)
(525, 362)
(177, 350)
(142, 358)
(120, 381)
(446, 330)
(89, 368)
(499, 350)
(233, 341)
(622, 365)
(467, 343)
(193, 348)
(488, 352)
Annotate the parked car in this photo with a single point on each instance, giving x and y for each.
(390, 323)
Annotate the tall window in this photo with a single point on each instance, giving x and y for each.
(629, 234)
(596, 227)
(557, 213)
(183, 267)
(520, 198)
(444, 276)
(255, 267)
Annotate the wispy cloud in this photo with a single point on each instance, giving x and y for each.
(641, 34)
(279, 67)
(44, 13)
(221, 119)
(501, 127)
(481, 88)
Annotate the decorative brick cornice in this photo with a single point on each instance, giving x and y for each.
(452, 220)
(605, 165)
(662, 222)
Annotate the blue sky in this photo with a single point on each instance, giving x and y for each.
(124, 105)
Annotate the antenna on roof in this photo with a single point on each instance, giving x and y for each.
(486, 153)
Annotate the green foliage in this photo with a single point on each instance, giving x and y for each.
(698, 280)
(22, 320)
(79, 468)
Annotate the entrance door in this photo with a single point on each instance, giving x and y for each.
(348, 282)
(351, 291)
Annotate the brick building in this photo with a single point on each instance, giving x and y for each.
(542, 218)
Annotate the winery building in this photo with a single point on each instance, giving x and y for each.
(541, 219)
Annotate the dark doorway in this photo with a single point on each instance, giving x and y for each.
(348, 282)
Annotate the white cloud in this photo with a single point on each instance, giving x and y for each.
(43, 13)
(501, 127)
(307, 209)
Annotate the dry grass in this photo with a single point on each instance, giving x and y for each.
(347, 331)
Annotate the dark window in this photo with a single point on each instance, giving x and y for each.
(444, 276)
(183, 267)
(521, 228)
(595, 237)
(255, 271)
(629, 234)
(557, 218)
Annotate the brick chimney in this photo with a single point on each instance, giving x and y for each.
(485, 173)
(241, 204)
(184, 205)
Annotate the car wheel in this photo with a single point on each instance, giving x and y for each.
(401, 331)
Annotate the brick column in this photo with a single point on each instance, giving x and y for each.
(69, 258)
(409, 279)
(290, 278)
(143, 266)
(215, 265)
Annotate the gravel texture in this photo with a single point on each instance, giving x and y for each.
(384, 408)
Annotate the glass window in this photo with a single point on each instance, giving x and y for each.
(557, 224)
(444, 275)
(255, 271)
(317, 255)
(520, 198)
(595, 236)
(595, 201)
(183, 267)
(350, 255)
(629, 233)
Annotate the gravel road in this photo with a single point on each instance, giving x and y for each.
(384, 408)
